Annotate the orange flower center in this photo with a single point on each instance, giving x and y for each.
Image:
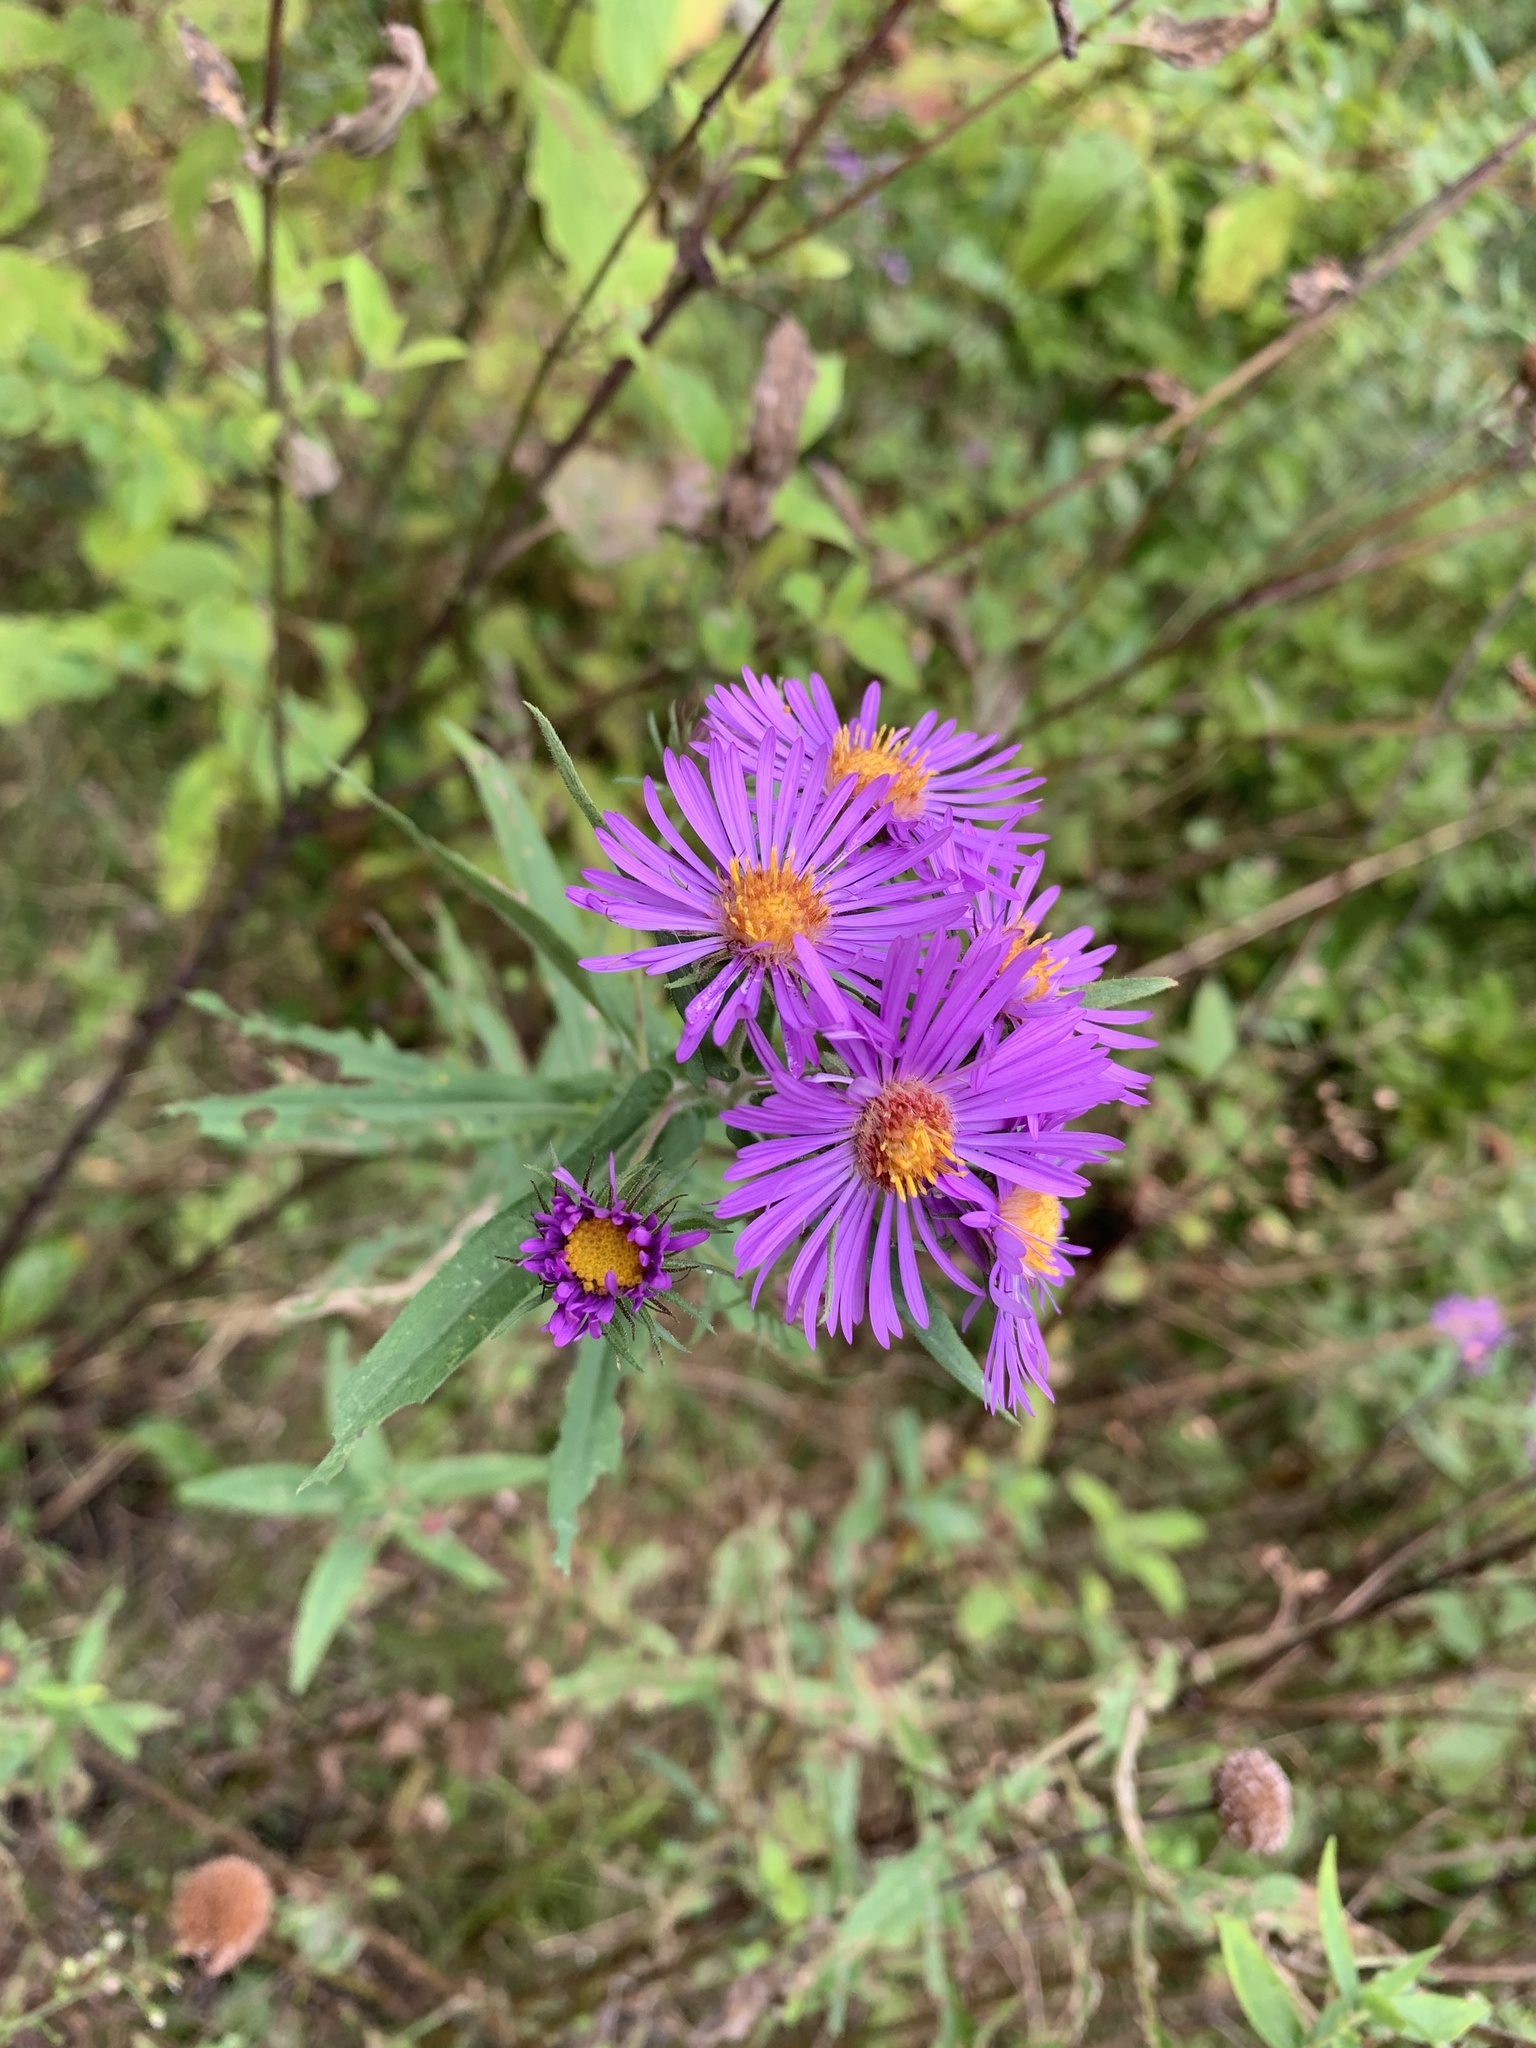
(766, 909)
(904, 1138)
(854, 753)
(1036, 1219)
(596, 1248)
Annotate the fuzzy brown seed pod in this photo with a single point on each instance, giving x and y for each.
(220, 1911)
(1253, 1798)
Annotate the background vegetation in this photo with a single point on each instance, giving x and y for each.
(1167, 409)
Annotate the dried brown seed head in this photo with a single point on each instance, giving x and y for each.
(214, 79)
(1309, 290)
(220, 1911)
(1253, 1799)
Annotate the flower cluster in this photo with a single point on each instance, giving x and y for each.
(857, 904)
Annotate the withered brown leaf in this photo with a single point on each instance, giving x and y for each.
(214, 78)
(394, 90)
(1193, 45)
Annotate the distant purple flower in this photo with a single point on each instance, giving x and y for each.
(932, 1113)
(1474, 1323)
(596, 1257)
(895, 266)
(800, 884)
(939, 774)
(847, 163)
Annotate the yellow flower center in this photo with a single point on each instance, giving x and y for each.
(904, 1138)
(1036, 1219)
(1041, 978)
(596, 1248)
(854, 753)
(766, 909)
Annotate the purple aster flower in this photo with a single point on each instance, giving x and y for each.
(596, 1257)
(1057, 964)
(1474, 1323)
(933, 1112)
(938, 774)
(1023, 1227)
(847, 163)
(798, 882)
(896, 267)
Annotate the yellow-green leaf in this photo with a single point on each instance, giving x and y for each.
(187, 843)
(1247, 240)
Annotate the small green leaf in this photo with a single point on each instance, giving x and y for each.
(800, 508)
(943, 1342)
(430, 349)
(202, 793)
(566, 765)
(376, 327)
(90, 1645)
(36, 1282)
(1427, 2016)
(179, 1451)
(1161, 1577)
(588, 183)
(825, 401)
(1130, 988)
(1247, 239)
(329, 1594)
(262, 1490)
(631, 40)
(692, 407)
(590, 1443)
(441, 1480)
(878, 639)
(1211, 1039)
(1260, 1988)
(441, 1549)
(23, 163)
(29, 38)
(1330, 1917)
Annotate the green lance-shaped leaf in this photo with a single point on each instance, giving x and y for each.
(441, 1549)
(513, 912)
(534, 874)
(1427, 2016)
(1330, 1916)
(1259, 1986)
(943, 1342)
(330, 1592)
(567, 767)
(441, 1480)
(478, 1290)
(262, 1490)
(590, 1441)
(1130, 988)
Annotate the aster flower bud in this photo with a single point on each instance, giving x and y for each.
(1253, 1799)
(220, 1911)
